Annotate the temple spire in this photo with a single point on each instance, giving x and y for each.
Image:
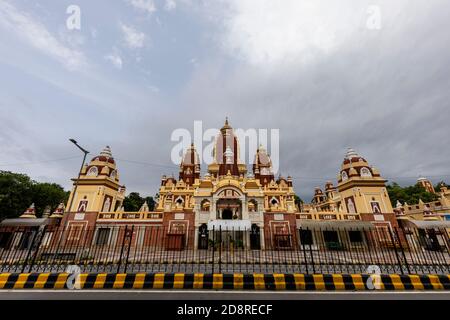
(226, 125)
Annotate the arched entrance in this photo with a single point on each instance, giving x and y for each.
(229, 209)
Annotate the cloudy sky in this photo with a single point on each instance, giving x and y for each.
(373, 75)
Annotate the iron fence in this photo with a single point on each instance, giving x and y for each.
(126, 248)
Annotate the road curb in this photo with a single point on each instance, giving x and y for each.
(220, 281)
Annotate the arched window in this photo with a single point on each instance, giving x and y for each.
(365, 172)
(113, 174)
(344, 176)
(93, 171)
(274, 201)
(179, 202)
(106, 205)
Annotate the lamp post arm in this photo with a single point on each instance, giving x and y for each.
(79, 175)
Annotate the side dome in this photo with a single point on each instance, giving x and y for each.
(355, 165)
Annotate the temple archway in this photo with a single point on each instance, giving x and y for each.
(229, 209)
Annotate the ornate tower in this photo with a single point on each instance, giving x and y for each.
(262, 166)
(226, 154)
(190, 166)
(98, 188)
(363, 190)
(424, 182)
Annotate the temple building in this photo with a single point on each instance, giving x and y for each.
(227, 197)
(358, 202)
(435, 214)
(231, 198)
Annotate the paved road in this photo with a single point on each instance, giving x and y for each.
(216, 295)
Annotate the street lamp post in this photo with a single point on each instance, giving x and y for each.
(79, 173)
(74, 191)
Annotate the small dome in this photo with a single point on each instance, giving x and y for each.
(329, 186)
(59, 211)
(352, 156)
(30, 212)
(105, 156)
(318, 191)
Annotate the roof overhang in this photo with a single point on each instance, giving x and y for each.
(422, 224)
(28, 222)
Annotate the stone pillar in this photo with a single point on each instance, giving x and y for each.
(244, 211)
(196, 238)
(261, 237)
(213, 209)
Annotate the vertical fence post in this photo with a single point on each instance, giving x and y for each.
(302, 235)
(311, 253)
(39, 242)
(121, 250)
(213, 247)
(29, 251)
(129, 248)
(220, 249)
(395, 250)
(403, 251)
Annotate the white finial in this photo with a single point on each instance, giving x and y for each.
(351, 153)
(106, 152)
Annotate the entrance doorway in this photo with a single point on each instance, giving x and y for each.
(229, 209)
(203, 237)
(255, 238)
(227, 214)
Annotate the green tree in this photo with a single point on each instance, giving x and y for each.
(134, 201)
(298, 201)
(410, 194)
(151, 202)
(18, 191)
(15, 194)
(48, 194)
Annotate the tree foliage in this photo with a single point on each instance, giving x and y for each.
(134, 201)
(410, 194)
(297, 200)
(18, 191)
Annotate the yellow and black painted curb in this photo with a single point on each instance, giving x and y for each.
(236, 281)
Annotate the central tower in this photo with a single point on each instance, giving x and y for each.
(226, 154)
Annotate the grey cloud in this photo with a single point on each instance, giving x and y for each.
(384, 93)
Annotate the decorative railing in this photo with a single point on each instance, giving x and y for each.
(328, 216)
(130, 215)
(157, 248)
